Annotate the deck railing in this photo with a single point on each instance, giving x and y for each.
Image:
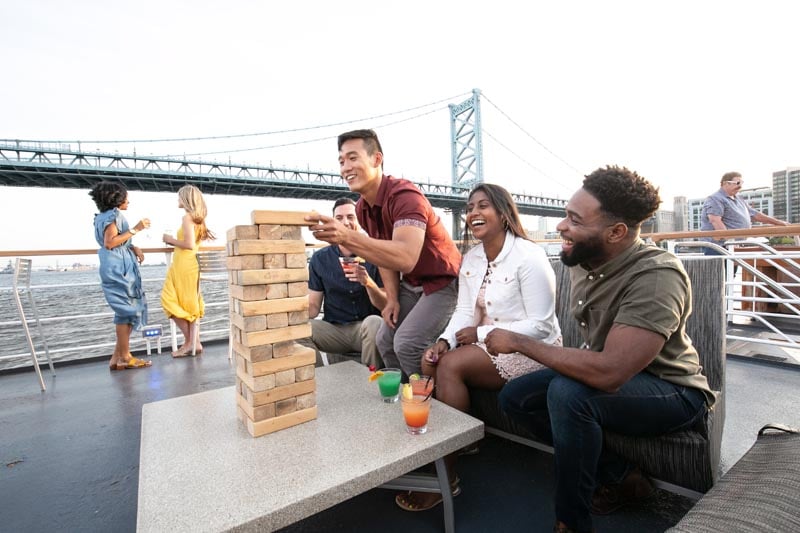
(768, 301)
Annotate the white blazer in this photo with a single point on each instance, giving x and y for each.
(521, 296)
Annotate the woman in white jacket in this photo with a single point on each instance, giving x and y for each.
(505, 281)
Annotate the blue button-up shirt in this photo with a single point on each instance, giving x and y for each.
(343, 301)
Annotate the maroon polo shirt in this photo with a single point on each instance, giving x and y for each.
(401, 203)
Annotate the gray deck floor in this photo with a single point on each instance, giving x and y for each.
(70, 455)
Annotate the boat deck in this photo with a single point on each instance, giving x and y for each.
(70, 456)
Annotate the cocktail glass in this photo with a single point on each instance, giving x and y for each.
(421, 384)
(415, 411)
(348, 263)
(389, 384)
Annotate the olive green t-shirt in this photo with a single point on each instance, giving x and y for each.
(645, 287)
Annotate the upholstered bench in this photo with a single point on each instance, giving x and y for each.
(760, 493)
(685, 462)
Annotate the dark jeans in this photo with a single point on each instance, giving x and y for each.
(572, 416)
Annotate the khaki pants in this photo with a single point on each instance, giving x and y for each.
(346, 338)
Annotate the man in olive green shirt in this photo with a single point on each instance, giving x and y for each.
(637, 372)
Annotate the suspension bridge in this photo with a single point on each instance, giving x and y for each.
(57, 165)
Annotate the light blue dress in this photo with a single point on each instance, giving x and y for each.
(119, 273)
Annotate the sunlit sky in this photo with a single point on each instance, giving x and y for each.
(679, 91)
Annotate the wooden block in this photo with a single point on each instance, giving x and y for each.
(242, 232)
(284, 349)
(271, 336)
(298, 317)
(255, 399)
(258, 383)
(236, 335)
(306, 400)
(274, 260)
(262, 412)
(273, 275)
(277, 290)
(249, 247)
(284, 407)
(304, 373)
(298, 289)
(294, 233)
(264, 427)
(296, 260)
(245, 262)
(229, 247)
(277, 320)
(250, 323)
(270, 232)
(284, 377)
(267, 307)
(285, 218)
(247, 293)
(302, 356)
(254, 354)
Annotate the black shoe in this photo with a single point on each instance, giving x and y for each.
(634, 488)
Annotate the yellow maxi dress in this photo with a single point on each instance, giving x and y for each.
(180, 296)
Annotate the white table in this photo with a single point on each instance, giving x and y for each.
(200, 470)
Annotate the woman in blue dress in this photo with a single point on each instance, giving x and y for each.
(119, 269)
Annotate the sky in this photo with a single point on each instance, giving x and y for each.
(679, 91)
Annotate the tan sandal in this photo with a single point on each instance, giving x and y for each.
(131, 364)
(406, 500)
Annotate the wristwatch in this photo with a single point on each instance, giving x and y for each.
(133, 231)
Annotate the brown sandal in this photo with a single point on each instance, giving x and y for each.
(407, 500)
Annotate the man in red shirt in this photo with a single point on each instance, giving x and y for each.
(406, 240)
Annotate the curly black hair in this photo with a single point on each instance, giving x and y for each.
(108, 195)
(623, 194)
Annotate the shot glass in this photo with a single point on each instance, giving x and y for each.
(389, 384)
(415, 412)
(348, 265)
(421, 384)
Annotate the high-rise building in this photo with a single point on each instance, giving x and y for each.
(759, 199)
(786, 191)
(680, 207)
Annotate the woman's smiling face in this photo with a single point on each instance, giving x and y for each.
(482, 218)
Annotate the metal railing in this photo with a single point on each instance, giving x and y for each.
(73, 321)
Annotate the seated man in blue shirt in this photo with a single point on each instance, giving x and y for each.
(351, 301)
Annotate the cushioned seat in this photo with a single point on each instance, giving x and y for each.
(760, 493)
(687, 459)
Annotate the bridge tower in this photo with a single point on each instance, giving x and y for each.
(466, 149)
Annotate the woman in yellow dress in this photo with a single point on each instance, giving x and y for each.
(180, 296)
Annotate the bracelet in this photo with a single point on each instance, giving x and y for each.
(133, 231)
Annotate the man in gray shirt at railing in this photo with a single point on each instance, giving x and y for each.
(726, 210)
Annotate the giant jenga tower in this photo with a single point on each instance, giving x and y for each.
(269, 312)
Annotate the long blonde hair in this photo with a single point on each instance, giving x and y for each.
(192, 200)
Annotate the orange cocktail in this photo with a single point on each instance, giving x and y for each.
(421, 384)
(416, 409)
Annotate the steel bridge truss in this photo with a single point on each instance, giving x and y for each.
(61, 167)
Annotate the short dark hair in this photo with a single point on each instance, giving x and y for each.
(623, 194)
(342, 201)
(108, 195)
(370, 138)
(729, 176)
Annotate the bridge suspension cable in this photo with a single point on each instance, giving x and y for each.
(537, 141)
(243, 135)
(306, 141)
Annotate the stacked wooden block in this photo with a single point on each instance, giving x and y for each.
(275, 387)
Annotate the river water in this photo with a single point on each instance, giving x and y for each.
(73, 293)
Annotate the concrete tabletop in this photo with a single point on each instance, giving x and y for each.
(199, 469)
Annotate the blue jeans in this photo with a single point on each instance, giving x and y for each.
(572, 416)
